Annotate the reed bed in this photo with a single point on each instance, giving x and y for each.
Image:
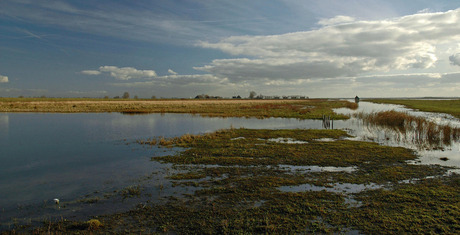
(418, 129)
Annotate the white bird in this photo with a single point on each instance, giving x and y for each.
(56, 201)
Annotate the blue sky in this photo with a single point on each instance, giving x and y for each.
(168, 48)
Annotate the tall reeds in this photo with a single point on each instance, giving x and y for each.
(417, 129)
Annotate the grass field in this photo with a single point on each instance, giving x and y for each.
(301, 109)
(440, 106)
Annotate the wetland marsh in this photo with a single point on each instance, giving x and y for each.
(182, 173)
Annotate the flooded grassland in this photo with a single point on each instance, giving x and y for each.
(247, 183)
(242, 180)
(449, 106)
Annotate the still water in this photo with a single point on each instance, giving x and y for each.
(46, 155)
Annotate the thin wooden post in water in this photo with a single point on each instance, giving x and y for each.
(328, 122)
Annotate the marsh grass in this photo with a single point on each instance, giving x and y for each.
(94, 224)
(131, 191)
(301, 109)
(237, 176)
(242, 167)
(417, 129)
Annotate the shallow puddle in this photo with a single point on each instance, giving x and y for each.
(287, 141)
(325, 140)
(308, 169)
(345, 188)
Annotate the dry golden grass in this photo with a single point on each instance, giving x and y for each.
(216, 108)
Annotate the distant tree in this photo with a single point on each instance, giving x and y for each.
(116, 97)
(153, 97)
(21, 96)
(252, 94)
(135, 97)
(106, 97)
(125, 95)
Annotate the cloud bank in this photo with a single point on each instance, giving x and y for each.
(384, 58)
(3, 79)
(344, 47)
(151, 78)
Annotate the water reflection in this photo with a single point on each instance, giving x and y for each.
(46, 156)
(4, 123)
(345, 188)
(445, 153)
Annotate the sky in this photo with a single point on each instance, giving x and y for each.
(172, 48)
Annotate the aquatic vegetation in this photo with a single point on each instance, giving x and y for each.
(418, 130)
(94, 224)
(238, 174)
(250, 163)
(430, 206)
(187, 176)
(257, 149)
(131, 191)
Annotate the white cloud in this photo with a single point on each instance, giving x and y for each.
(455, 59)
(339, 50)
(127, 73)
(3, 79)
(178, 80)
(426, 10)
(91, 72)
(150, 78)
(124, 73)
(172, 72)
(336, 20)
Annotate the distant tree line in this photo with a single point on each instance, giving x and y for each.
(126, 96)
(254, 95)
(204, 96)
